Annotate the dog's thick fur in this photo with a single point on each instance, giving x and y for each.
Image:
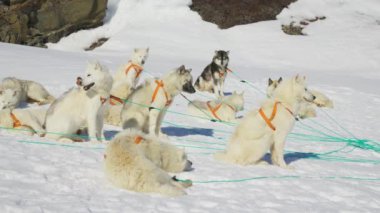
(253, 137)
(123, 85)
(144, 166)
(81, 107)
(230, 105)
(23, 91)
(142, 114)
(213, 76)
(307, 109)
(8, 99)
(31, 120)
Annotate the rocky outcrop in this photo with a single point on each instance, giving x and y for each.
(36, 22)
(229, 13)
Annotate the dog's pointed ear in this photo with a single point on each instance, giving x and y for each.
(190, 70)
(98, 66)
(216, 52)
(279, 80)
(228, 52)
(181, 69)
(270, 81)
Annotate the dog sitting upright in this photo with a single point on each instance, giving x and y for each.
(148, 103)
(126, 78)
(267, 128)
(81, 107)
(213, 76)
(124, 82)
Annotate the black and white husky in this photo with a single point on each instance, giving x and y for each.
(213, 76)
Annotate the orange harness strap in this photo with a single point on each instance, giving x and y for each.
(269, 120)
(135, 67)
(273, 115)
(16, 122)
(114, 100)
(103, 100)
(138, 139)
(160, 84)
(214, 110)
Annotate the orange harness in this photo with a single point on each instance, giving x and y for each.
(160, 84)
(103, 100)
(216, 108)
(221, 74)
(16, 122)
(138, 140)
(115, 100)
(273, 115)
(135, 67)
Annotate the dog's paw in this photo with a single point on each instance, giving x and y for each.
(288, 167)
(163, 136)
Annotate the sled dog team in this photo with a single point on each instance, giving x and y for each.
(136, 159)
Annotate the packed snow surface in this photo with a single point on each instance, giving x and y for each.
(340, 57)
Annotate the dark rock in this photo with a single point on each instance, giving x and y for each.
(36, 22)
(229, 13)
(96, 44)
(296, 29)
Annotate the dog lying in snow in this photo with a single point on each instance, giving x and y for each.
(81, 107)
(13, 91)
(267, 128)
(140, 163)
(224, 109)
(307, 109)
(149, 102)
(28, 121)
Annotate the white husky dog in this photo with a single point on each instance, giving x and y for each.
(267, 128)
(29, 120)
(140, 163)
(23, 90)
(148, 103)
(124, 82)
(224, 109)
(307, 109)
(81, 107)
(127, 76)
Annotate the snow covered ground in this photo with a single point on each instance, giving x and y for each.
(340, 56)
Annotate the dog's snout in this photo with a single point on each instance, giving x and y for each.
(188, 87)
(314, 97)
(188, 166)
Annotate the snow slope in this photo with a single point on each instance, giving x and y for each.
(340, 56)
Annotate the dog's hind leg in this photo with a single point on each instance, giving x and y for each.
(39, 94)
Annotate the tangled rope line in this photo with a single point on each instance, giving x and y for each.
(312, 135)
